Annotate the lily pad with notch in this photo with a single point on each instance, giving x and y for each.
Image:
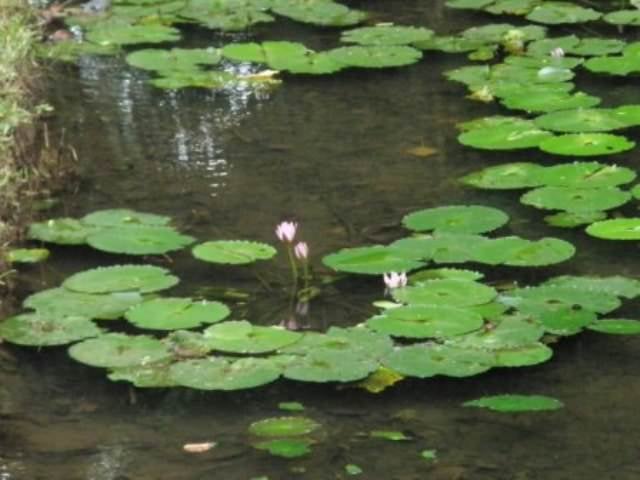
(121, 278)
(583, 120)
(117, 350)
(574, 219)
(139, 240)
(616, 229)
(176, 313)
(586, 144)
(45, 329)
(508, 176)
(323, 366)
(63, 231)
(505, 137)
(236, 252)
(456, 219)
(576, 199)
(549, 102)
(240, 336)
(617, 285)
(372, 260)
(556, 13)
(323, 13)
(506, 332)
(523, 356)
(180, 59)
(155, 375)
(375, 56)
(131, 34)
(585, 175)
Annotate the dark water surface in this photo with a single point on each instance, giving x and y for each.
(329, 152)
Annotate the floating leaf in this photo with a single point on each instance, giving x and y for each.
(574, 219)
(616, 229)
(373, 260)
(582, 120)
(616, 326)
(139, 240)
(291, 406)
(124, 217)
(613, 285)
(116, 350)
(387, 35)
(457, 293)
(219, 373)
(283, 427)
(456, 219)
(324, 12)
(285, 447)
(27, 255)
(576, 199)
(121, 278)
(65, 231)
(376, 56)
(523, 356)
(623, 17)
(352, 469)
(43, 329)
(429, 455)
(506, 177)
(545, 298)
(554, 13)
(505, 137)
(242, 337)
(176, 313)
(155, 375)
(441, 273)
(330, 366)
(566, 321)
(61, 302)
(506, 332)
(227, 15)
(516, 403)
(392, 435)
(586, 144)
(235, 252)
(176, 59)
(585, 175)
(123, 34)
(549, 101)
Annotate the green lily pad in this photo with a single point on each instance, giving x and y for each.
(180, 59)
(549, 102)
(236, 252)
(116, 350)
(585, 175)
(139, 240)
(386, 35)
(219, 373)
(621, 65)
(64, 231)
(497, 251)
(455, 293)
(285, 447)
(505, 137)
(155, 375)
(576, 199)
(175, 80)
(283, 427)
(291, 406)
(544, 298)
(506, 332)
(574, 219)
(372, 260)
(516, 403)
(623, 17)
(375, 56)
(62, 302)
(319, 12)
(523, 356)
(566, 321)
(176, 313)
(121, 278)
(392, 435)
(597, 46)
(582, 120)
(468, 4)
(586, 144)
(616, 326)
(544, 46)
(115, 34)
(441, 248)
(450, 44)
(227, 15)
(546, 251)
(511, 7)
(442, 273)
(507, 176)
(322, 366)
(616, 229)
(456, 219)
(495, 33)
(43, 330)
(555, 13)
(242, 337)
(71, 50)
(614, 285)
(27, 255)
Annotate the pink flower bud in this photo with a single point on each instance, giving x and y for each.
(301, 250)
(286, 231)
(395, 280)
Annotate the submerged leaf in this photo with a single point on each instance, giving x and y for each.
(516, 403)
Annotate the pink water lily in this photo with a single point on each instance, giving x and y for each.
(301, 250)
(395, 280)
(286, 231)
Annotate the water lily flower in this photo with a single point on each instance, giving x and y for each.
(557, 52)
(395, 280)
(301, 250)
(286, 231)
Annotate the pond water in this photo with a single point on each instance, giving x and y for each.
(331, 153)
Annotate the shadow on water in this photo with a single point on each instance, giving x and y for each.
(331, 153)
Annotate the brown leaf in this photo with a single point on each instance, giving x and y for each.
(421, 151)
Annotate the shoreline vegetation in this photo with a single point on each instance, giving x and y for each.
(32, 165)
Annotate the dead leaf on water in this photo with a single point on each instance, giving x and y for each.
(198, 447)
(421, 151)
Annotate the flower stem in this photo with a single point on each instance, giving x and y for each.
(294, 267)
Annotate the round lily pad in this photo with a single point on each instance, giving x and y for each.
(497, 251)
(121, 278)
(555, 13)
(139, 240)
(64, 231)
(506, 176)
(63, 302)
(504, 137)
(124, 217)
(116, 350)
(586, 144)
(174, 59)
(124, 34)
(544, 298)
(441, 273)
(176, 313)
(155, 375)
(516, 403)
(616, 229)
(376, 56)
(576, 199)
(330, 366)
(585, 175)
(574, 219)
(285, 447)
(219, 373)
(566, 321)
(456, 219)
(373, 260)
(242, 337)
(614, 65)
(235, 252)
(283, 427)
(506, 332)
(457, 293)
(623, 17)
(616, 326)
(582, 120)
(387, 35)
(549, 101)
(43, 329)
(422, 321)
(614, 285)
(523, 356)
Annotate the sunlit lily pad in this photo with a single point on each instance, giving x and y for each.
(65, 231)
(27, 255)
(506, 177)
(616, 229)
(457, 293)
(585, 175)
(582, 120)
(586, 144)
(139, 240)
(373, 260)
(516, 403)
(116, 350)
(505, 137)
(175, 59)
(456, 219)
(441, 273)
(61, 302)
(242, 337)
(616, 326)
(121, 278)
(375, 56)
(283, 427)
(324, 13)
(176, 313)
(450, 44)
(523, 356)
(423, 321)
(615, 285)
(113, 34)
(574, 219)
(235, 252)
(387, 35)
(220, 373)
(44, 329)
(576, 199)
(496, 32)
(554, 13)
(549, 102)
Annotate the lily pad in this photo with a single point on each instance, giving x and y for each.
(555, 13)
(585, 175)
(545, 298)
(506, 332)
(62, 302)
(43, 329)
(576, 199)
(375, 56)
(621, 65)
(372, 260)
(616, 229)
(549, 102)
(219, 373)
(387, 35)
(285, 447)
(236, 252)
(319, 12)
(114, 34)
(242, 337)
(227, 15)
(27, 255)
(566, 321)
(283, 427)
(64, 231)
(616, 326)
(506, 177)
(574, 219)
(524, 356)
(139, 240)
(505, 137)
(582, 120)
(614, 285)
(330, 366)
(180, 59)
(155, 375)
(456, 293)
(124, 217)
(116, 350)
(456, 219)
(623, 17)
(586, 144)
(546, 251)
(176, 313)
(121, 278)
(516, 403)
